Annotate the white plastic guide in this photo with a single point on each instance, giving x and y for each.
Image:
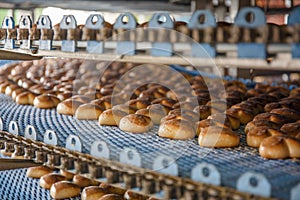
(131, 156)
(1, 124)
(30, 132)
(74, 143)
(50, 137)
(254, 183)
(295, 192)
(166, 165)
(100, 149)
(13, 127)
(206, 173)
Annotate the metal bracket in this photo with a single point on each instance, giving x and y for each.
(254, 183)
(295, 192)
(8, 23)
(130, 156)
(100, 149)
(161, 20)
(50, 137)
(1, 124)
(44, 22)
(13, 128)
(68, 22)
(94, 46)
(125, 47)
(25, 23)
(73, 143)
(202, 19)
(30, 132)
(206, 173)
(251, 50)
(165, 165)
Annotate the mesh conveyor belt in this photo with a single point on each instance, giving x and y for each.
(232, 163)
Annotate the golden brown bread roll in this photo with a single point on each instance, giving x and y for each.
(243, 115)
(256, 135)
(111, 197)
(112, 189)
(48, 180)
(290, 114)
(178, 129)
(135, 123)
(272, 117)
(291, 128)
(25, 98)
(10, 88)
(214, 136)
(279, 147)
(46, 101)
(64, 189)
(138, 104)
(124, 108)
(93, 192)
(3, 87)
(16, 92)
(82, 181)
(81, 98)
(89, 111)
(111, 117)
(67, 174)
(38, 171)
(203, 110)
(133, 195)
(68, 107)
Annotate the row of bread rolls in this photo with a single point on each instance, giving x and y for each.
(65, 184)
(276, 131)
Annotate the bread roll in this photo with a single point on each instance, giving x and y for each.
(68, 107)
(154, 112)
(111, 197)
(290, 114)
(93, 192)
(215, 136)
(178, 129)
(25, 98)
(291, 128)
(10, 88)
(81, 98)
(138, 103)
(67, 174)
(279, 147)
(256, 135)
(16, 92)
(111, 117)
(124, 108)
(82, 181)
(135, 123)
(46, 101)
(88, 111)
(38, 171)
(203, 110)
(243, 115)
(112, 189)
(133, 195)
(64, 189)
(48, 180)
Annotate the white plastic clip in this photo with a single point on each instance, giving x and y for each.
(166, 165)
(100, 149)
(206, 173)
(50, 137)
(254, 183)
(30, 132)
(73, 143)
(13, 128)
(131, 156)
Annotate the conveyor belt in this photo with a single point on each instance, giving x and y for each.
(231, 163)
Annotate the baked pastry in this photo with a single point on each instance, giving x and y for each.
(178, 129)
(64, 189)
(203, 110)
(256, 135)
(111, 197)
(88, 111)
(290, 114)
(46, 101)
(219, 137)
(25, 98)
(279, 147)
(93, 192)
(111, 117)
(68, 107)
(38, 171)
(48, 180)
(135, 123)
(291, 129)
(112, 189)
(243, 115)
(82, 181)
(155, 114)
(124, 108)
(67, 174)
